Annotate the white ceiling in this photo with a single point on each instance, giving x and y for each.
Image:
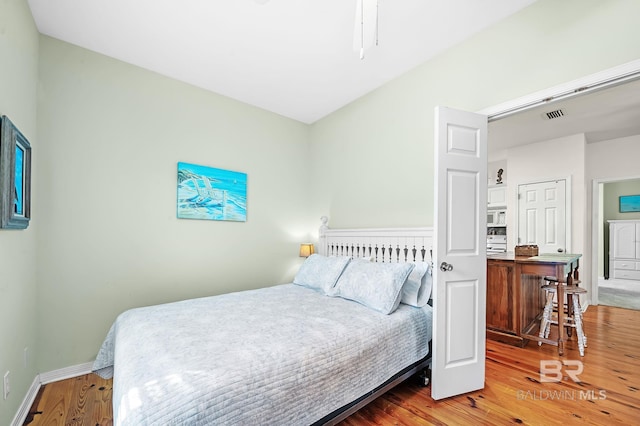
(291, 57)
(601, 115)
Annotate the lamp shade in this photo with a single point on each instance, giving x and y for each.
(306, 250)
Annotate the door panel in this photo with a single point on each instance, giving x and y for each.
(626, 240)
(461, 238)
(462, 341)
(460, 249)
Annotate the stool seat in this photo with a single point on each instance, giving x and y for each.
(556, 280)
(568, 289)
(573, 310)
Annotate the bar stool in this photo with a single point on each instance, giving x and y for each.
(573, 318)
(568, 307)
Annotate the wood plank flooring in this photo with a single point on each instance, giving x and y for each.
(80, 401)
(608, 391)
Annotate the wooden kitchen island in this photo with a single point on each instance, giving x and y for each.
(515, 299)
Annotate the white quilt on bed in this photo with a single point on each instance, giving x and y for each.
(283, 355)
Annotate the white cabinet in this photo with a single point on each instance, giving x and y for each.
(624, 249)
(497, 197)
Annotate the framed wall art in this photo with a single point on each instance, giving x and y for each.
(211, 194)
(629, 203)
(15, 177)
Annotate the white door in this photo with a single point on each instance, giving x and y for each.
(460, 272)
(542, 215)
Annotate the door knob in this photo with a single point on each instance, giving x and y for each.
(560, 250)
(444, 267)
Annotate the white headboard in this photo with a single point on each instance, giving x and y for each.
(381, 244)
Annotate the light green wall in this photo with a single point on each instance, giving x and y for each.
(611, 199)
(111, 137)
(372, 160)
(18, 309)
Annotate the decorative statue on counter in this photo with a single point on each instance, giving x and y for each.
(499, 180)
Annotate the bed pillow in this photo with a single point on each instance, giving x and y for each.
(417, 289)
(375, 285)
(321, 272)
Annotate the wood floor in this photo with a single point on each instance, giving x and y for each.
(608, 391)
(80, 401)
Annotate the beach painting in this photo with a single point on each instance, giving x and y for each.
(15, 177)
(629, 203)
(211, 194)
(18, 200)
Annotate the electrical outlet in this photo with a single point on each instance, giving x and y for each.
(7, 388)
(26, 357)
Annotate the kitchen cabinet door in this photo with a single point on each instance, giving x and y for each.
(497, 197)
(501, 312)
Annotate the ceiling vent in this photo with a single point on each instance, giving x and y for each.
(553, 114)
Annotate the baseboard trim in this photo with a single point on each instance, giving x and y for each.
(66, 373)
(43, 379)
(23, 411)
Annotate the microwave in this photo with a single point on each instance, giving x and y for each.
(496, 218)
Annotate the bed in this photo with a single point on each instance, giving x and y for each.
(308, 352)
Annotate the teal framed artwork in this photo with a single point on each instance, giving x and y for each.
(209, 193)
(629, 203)
(15, 177)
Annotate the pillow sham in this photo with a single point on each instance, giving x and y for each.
(375, 285)
(321, 272)
(364, 259)
(417, 289)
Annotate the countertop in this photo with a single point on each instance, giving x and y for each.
(502, 256)
(542, 257)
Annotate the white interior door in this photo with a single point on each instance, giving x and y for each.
(542, 215)
(460, 253)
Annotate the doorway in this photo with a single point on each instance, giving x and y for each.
(608, 291)
(623, 80)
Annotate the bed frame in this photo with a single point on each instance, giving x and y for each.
(393, 245)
